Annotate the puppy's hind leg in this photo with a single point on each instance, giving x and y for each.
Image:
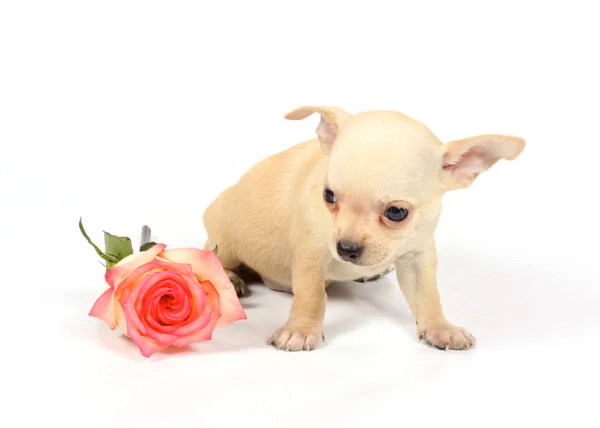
(229, 262)
(239, 284)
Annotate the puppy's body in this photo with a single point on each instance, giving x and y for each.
(378, 166)
(274, 204)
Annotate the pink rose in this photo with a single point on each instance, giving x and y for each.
(161, 298)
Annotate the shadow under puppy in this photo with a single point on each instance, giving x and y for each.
(358, 201)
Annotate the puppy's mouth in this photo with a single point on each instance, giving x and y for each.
(360, 263)
(350, 262)
(354, 257)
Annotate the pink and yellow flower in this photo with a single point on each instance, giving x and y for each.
(161, 298)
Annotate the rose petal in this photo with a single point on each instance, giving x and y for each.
(120, 316)
(155, 277)
(151, 319)
(131, 283)
(147, 340)
(132, 318)
(130, 302)
(156, 290)
(129, 264)
(152, 286)
(162, 267)
(199, 336)
(179, 308)
(153, 328)
(207, 266)
(205, 332)
(146, 345)
(162, 338)
(103, 309)
(166, 322)
(203, 311)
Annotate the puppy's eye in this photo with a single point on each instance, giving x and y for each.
(396, 214)
(329, 196)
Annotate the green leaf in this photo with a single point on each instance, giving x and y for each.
(117, 246)
(216, 249)
(109, 258)
(147, 246)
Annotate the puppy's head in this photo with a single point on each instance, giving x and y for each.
(386, 176)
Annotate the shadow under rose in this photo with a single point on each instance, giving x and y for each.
(74, 307)
(123, 346)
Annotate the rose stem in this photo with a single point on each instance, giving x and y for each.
(146, 234)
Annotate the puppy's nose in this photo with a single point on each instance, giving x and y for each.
(349, 251)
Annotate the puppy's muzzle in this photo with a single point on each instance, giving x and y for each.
(350, 252)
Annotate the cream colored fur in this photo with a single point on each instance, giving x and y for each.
(276, 222)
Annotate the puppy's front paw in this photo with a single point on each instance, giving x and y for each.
(444, 335)
(290, 338)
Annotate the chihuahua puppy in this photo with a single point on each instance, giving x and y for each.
(360, 200)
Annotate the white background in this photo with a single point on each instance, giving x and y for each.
(130, 113)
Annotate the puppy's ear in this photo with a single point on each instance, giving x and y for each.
(465, 159)
(331, 119)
